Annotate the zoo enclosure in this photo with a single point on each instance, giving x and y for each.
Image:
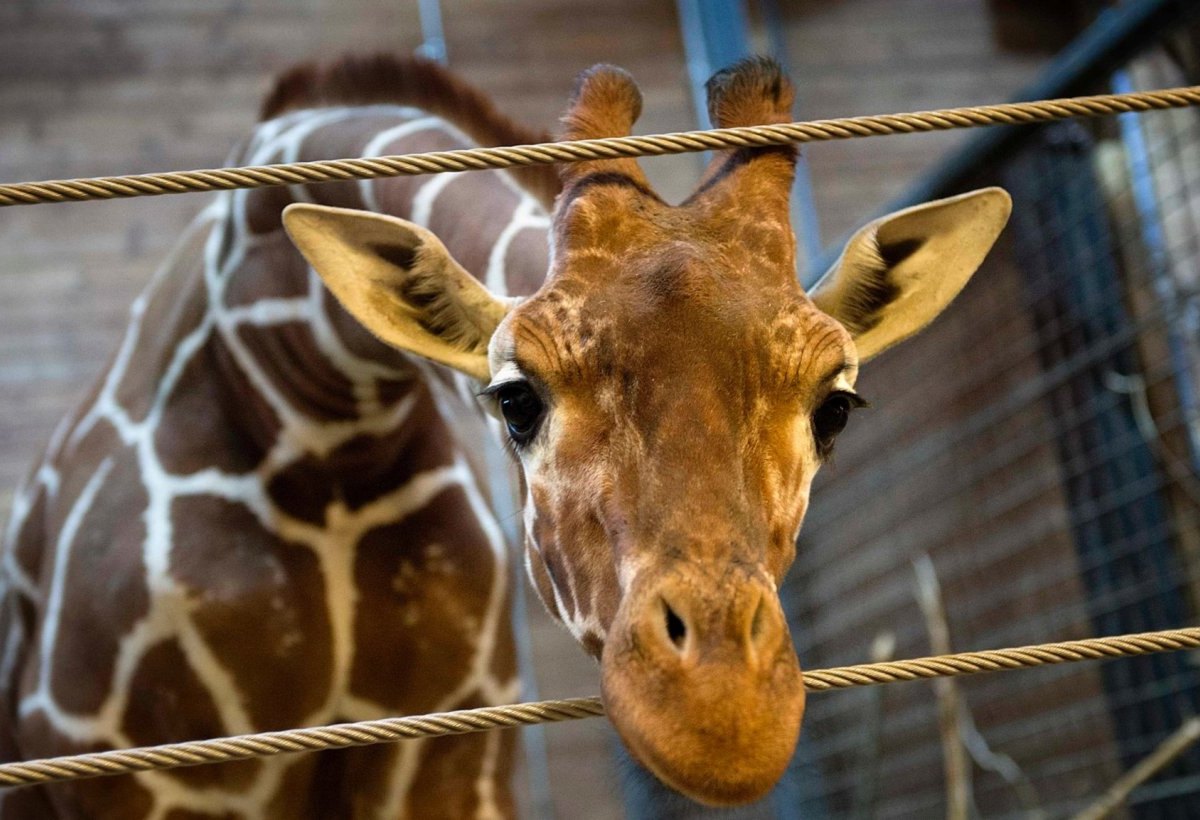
(943, 665)
(1039, 636)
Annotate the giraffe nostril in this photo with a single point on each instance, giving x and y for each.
(676, 628)
(756, 622)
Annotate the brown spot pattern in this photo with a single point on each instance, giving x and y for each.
(259, 603)
(472, 231)
(264, 208)
(340, 783)
(168, 704)
(175, 307)
(28, 544)
(425, 581)
(365, 467)
(271, 270)
(290, 357)
(105, 592)
(213, 417)
(104, 798)
(444, 785)
(395, 195)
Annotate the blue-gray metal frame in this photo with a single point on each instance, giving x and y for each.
(1150, 216)
(433, 46)
(1090, 58)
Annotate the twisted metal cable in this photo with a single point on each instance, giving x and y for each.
(268, 744)
(999, 660)
(479, 159)
(388, 730)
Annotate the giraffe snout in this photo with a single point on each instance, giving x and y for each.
(701, 681)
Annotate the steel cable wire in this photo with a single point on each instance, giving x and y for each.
(478, 159)
(388, 730)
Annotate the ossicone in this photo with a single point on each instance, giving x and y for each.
(606, 102)
(753, 91)
(750, 92)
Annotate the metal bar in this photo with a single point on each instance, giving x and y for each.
(1150, 216)
(716, 33)
(1112, 39)
(434, 45)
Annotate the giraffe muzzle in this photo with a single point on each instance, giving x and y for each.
(702, 683)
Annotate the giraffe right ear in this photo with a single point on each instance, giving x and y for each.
(400, 282)
(900, 271)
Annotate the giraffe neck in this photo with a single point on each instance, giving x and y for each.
(299, 348)
(280, 464)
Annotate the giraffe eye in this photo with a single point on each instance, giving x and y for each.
(521, 409)
(831, 417)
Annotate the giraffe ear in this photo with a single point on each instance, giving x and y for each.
(900, 271)
(400, 282)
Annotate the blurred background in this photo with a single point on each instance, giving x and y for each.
(1028, 472)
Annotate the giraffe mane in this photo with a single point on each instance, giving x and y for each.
(386, 78)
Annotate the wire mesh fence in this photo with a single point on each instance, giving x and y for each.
(1042, 446)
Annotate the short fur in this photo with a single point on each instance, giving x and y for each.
(753, 91)
(442, 315)
(868, 292)
(604, 103)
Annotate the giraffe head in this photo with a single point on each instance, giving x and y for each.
(669, 394)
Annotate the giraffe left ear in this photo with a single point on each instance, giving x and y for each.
(400, 282)
(900, 271)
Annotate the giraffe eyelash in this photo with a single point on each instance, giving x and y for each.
(521, 408)
(831, 417)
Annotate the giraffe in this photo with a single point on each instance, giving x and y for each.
(265, 515)
(263, 518)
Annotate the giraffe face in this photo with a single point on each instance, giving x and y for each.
(669, 410)
(669, 392)
(672, 397)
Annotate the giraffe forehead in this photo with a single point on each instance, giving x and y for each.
(670, 330)
(812, 339)
(612, 217)
(623, 230)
